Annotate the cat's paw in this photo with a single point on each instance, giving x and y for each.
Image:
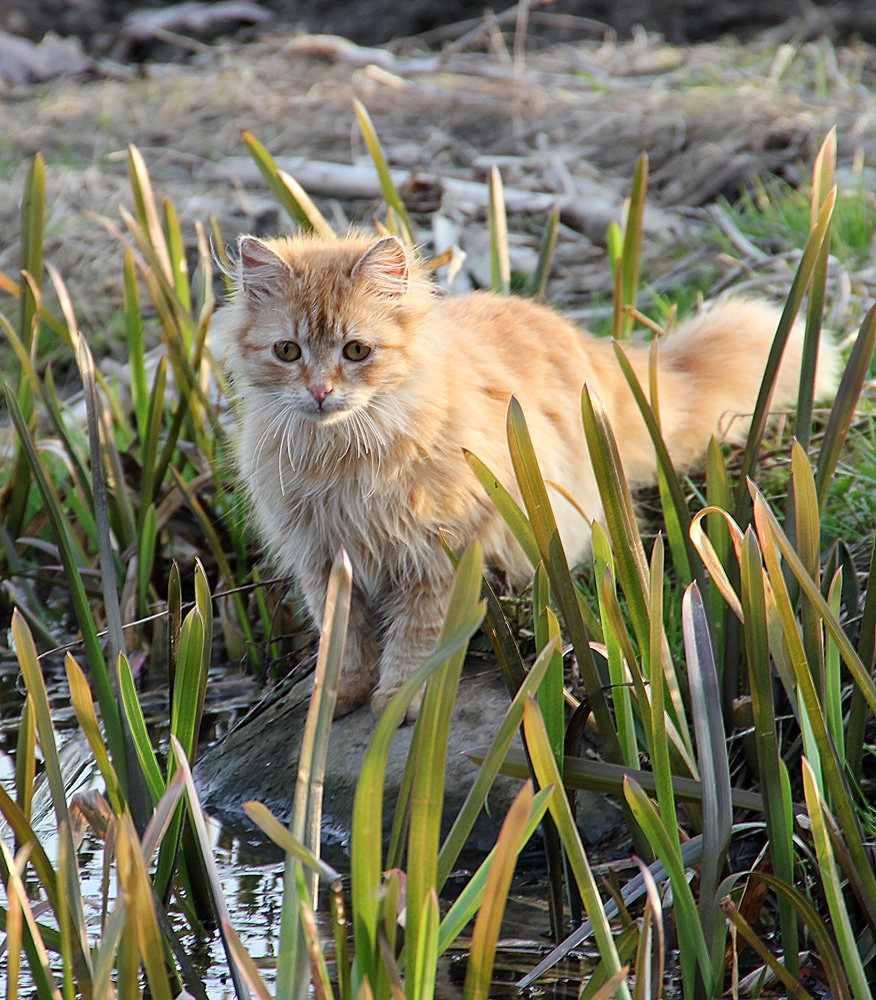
(349, 701)
(384, 694)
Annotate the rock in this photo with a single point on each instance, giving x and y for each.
(259, 760)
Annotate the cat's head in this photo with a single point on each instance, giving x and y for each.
(322, 325)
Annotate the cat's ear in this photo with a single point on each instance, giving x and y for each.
(262, 272)
(385, 267)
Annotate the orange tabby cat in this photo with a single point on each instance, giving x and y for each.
(358, 387)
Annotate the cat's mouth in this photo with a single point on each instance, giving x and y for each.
(322, 415)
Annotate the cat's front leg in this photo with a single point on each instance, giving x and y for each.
(415, 616)
(359, 670)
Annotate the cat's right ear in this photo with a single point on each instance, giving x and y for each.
(262, 272)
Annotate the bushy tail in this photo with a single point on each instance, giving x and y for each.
(711, 368)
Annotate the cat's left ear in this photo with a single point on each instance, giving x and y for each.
(385, 267)
(262, 272)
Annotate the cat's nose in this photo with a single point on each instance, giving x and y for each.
(319, 392)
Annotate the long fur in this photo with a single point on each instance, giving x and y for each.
(380, 468)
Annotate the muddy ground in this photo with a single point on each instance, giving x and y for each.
(567, 120)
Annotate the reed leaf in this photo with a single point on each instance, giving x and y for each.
(538, 280)
(771, 539)
(84, 617)
(285, 193)
(714, 766)
(785, 976)
(490, 765)
(831, 885)
(547, 774)
(429, 749)
(631, 566)
(305, 826)
(822, 184)
(139, 733)
(220, 906)
(819, 233)
(693, 949)
(497, 222)
(479, 969)
(771, 768)
(550, 547)
(508, 507)
(390, 193)
(466, 904)
(366, 845)
(845, 403)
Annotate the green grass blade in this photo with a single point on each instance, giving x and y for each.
(284, 193)
(427, 949)
(845, 404)
(631, 256)
(479, 970)
(80, 695)
(674, 504)
(305, 204)
(147, 212)
(600, 776)
(544, 525)
(820, 232)
(366, 845)
(25, 759)
(187, 682)
(466, 904)
(832, 887)
(508, 507)
(293, 965)
(550, 692)
(429, 747)
(777, 806)
(620, 516)
(33, 210)
(136, 350)
(489, 767)
(497, 222)
(537, 283)
(36, 688)
(772, 539)
(139, 733)
(273, 828)
(617, 644)
(176, 249)
(786, 977)
(390, 193)
(84, 617)
(705, 695)
(97, 448)
(693, 950)
(547, 774)
(220, 906)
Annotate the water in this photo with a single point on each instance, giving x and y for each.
(251, 873)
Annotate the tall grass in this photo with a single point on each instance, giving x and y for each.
(769, 648)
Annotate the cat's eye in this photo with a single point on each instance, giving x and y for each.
(355, 350)
(287, 350)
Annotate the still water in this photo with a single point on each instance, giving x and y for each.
(251, 871)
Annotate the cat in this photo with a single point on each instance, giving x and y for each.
(358, 387)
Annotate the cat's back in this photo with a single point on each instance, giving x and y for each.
(518, 340)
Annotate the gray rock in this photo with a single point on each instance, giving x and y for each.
(259, 760)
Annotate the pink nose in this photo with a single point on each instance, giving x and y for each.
(319, 392)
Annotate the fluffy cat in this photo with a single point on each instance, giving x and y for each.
(357, 388)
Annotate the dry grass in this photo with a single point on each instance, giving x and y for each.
(709, 116)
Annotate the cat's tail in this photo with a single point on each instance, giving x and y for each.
(711, 367)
